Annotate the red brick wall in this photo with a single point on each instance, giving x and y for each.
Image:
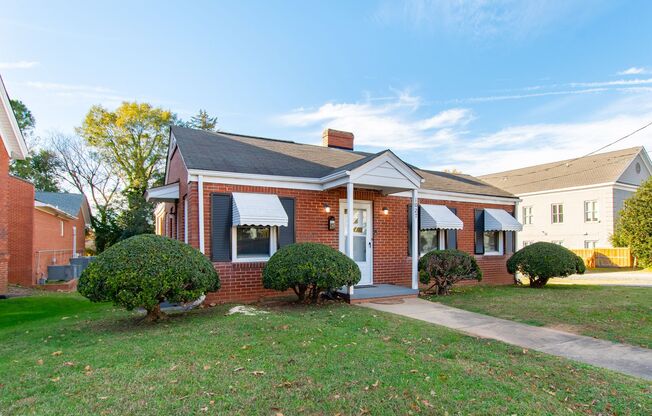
(242, 281)
(4, 210)
(21, 229)
(49, 246)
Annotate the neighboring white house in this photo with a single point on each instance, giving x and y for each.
(574, 203)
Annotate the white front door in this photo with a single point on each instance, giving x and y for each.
(362, 238)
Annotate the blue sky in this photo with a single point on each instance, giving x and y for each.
(479, 86)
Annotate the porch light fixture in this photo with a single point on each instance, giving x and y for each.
(385, 210)
(327, 208)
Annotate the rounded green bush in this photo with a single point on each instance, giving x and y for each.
(144, 270)
(442, 268)
(542, 261)
(309, 268)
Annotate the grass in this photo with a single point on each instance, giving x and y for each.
(620, 314)
(65, 356)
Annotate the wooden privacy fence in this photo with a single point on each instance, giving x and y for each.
(606, 257)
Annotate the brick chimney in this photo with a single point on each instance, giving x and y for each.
(337, 139)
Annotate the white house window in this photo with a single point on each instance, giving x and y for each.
(527, 215)
(590, 211)
(253, 243)
(590, 243)
(428, 241)
(557, 213)
(61, 223)
(493, 243)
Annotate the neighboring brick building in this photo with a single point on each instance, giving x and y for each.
(12, 147)
(239, 198)
(21, 235)
(60, 221)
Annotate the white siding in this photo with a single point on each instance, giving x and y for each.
(384, 175)
(573, 231)
(631, 177)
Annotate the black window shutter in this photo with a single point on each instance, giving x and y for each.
(221, 223)
(451, 235)
(409, 213)
(287, 235)
(479, 231)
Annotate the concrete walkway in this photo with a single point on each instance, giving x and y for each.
(626, 359)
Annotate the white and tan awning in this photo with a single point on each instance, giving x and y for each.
(258, 209)
(500, 220)
(165, 193)
(439, 217)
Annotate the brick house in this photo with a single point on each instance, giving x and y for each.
(60, 221)
(13, 147)
(239, 198)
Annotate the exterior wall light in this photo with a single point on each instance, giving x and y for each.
(385, 210)
(327, 208)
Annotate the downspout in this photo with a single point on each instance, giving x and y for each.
(200, 199)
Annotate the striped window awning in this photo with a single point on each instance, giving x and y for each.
(258, 209)
(500, 220)
(439, 217)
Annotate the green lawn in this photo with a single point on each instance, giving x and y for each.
(62, 355)
(621, 314)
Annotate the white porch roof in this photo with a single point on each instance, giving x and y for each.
(258, 209)
(439, 217)
(165, 193)
(500, 220)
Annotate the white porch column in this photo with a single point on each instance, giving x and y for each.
(74, 241)
(185, 220)
(200, 198)
(349, 224)
(415, 239)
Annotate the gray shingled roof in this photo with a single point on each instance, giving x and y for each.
(590, 170)
(66, 202)
(229, 152)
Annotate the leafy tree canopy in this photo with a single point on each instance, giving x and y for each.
(40, 168)
(203, 121)
(634, 228)
(133, 138)
(24, 117)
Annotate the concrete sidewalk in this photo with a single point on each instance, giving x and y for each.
(624, 358)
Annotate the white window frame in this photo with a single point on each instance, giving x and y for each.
(441, 241)
(588, 243)
(595, 213)
(263, 259)
(501, 245)
(559, 214)
(62, 227)
(527, 217)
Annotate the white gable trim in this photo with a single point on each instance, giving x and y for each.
(392, 160)
(12, 137)
(646, 161)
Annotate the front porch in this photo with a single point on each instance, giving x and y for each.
(378, 292)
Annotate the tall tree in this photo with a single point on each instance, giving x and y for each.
(40, 166)
(203, 121)
(634, 227)
(133, 138)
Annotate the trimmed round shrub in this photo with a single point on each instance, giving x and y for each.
(442, 268)
(144, 270)
(542, 261)
(309, 269)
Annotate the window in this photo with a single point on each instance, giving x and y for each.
(428, 241)
(61, 223)
(590, 211)
(527, 215)
(557, 213)
(493, 242)
(253, 243)
(590, 243)
(558, 242)
(527, 243)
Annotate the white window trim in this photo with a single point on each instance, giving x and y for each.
(263, 259)
(441, 235)
(596, 211)
(501, 245)
(62, 227)
(530, 216)
(552, 215)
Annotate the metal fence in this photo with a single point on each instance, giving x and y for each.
(606, 257)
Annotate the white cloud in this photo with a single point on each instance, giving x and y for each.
(635, 70)
(53, 86)
(18, 65)
(392, 123)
